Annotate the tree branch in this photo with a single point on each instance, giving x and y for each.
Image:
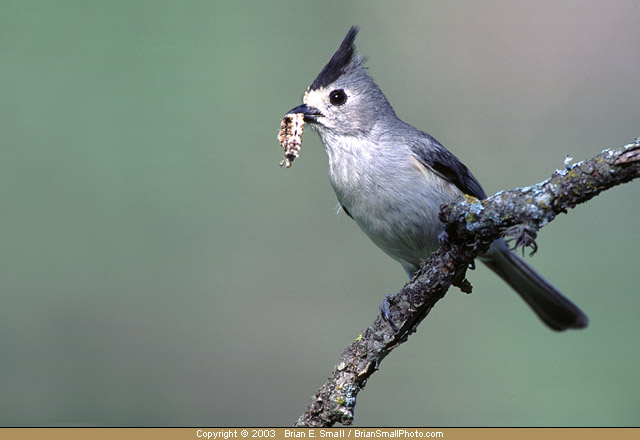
(470, 225)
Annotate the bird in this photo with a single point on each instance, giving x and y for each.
(392, 178)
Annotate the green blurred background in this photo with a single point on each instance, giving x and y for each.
(157, 266)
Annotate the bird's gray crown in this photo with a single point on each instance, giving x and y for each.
(341, 62)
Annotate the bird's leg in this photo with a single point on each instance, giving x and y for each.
(385, 312)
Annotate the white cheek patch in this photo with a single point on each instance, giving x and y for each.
(313, 98)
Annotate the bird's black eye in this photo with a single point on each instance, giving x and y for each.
(338, 97)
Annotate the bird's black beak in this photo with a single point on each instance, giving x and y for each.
(310, 113)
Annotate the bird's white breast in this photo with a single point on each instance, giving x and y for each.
(392, 196)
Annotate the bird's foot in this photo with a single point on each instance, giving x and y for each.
(522, 236)
(385, 312)
(443, 238)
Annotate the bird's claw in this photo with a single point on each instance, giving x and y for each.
(522, 236)
(443, 237)
(385, 312)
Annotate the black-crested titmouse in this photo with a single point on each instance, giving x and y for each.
(392, 178)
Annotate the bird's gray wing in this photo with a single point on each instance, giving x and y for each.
(433, 155)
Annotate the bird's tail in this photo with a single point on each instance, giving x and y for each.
(549, 304)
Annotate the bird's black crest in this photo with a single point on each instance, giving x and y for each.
(339, 61)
